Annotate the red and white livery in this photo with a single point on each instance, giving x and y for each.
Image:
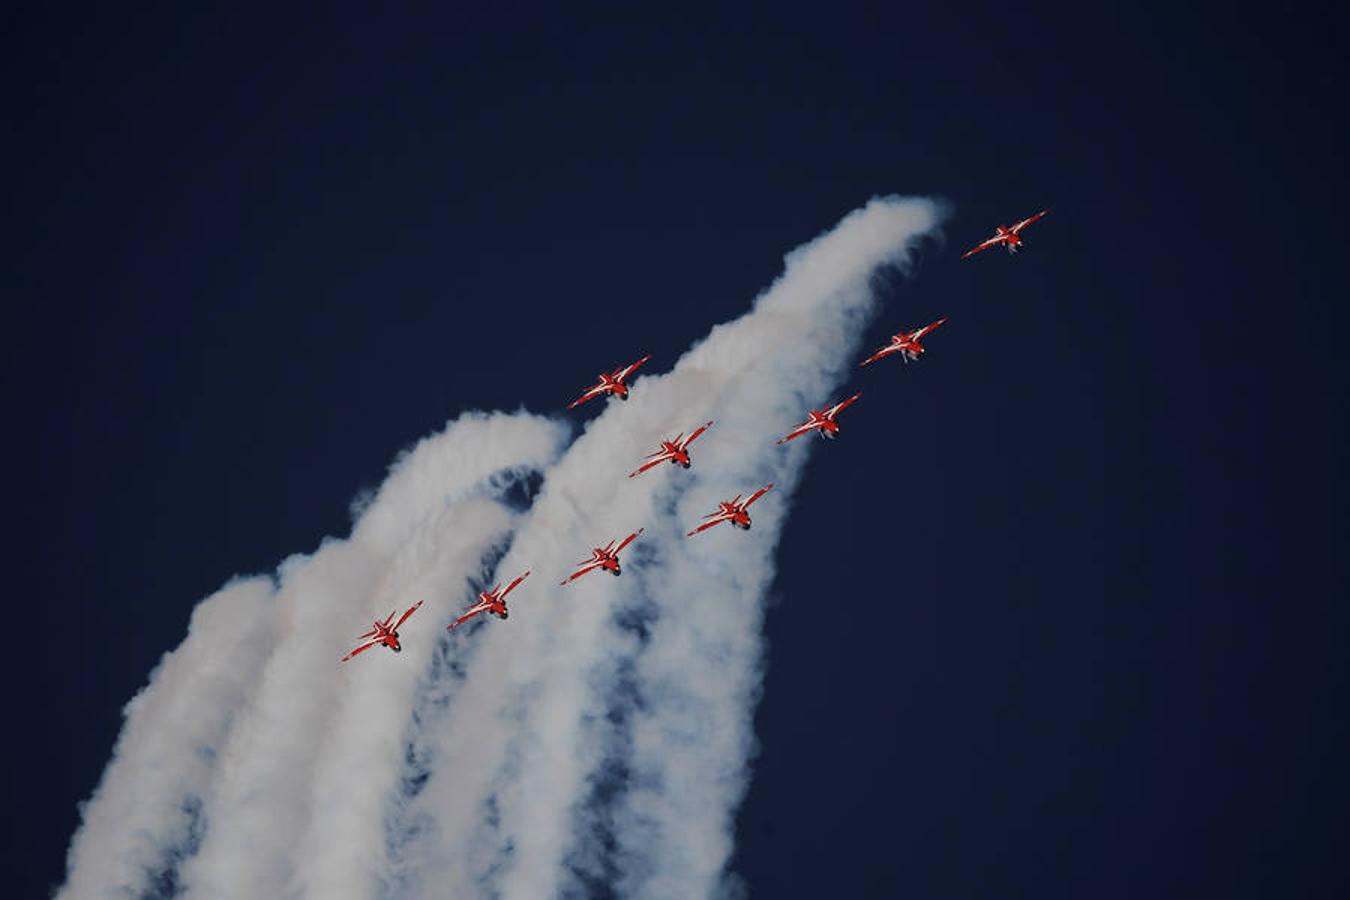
(1009, 237)
(493, 601)
(906, 343)
(610, 383)
(733, 511)
(606, 557)
(821, 420)
(675, 452)
(384, 633)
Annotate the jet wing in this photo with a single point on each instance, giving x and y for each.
(984, 245)
(655, 459)
(841, 406)
(799, 431)
(590, 394)
(482, 606)
(512, 586)
(628, 540)
(717, 519)
(756, 495)
(927, 329)
(621, 374)
(468, 614)
(693, 437)
(884, 351)
(588, 567)
(412, 609)
(361, 649)
(1025, 222)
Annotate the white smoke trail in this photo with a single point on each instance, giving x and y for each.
(529, 738)
(598, 737)
(218, 705)
(145, 812)
(415, 536)
(695, 681)
(353, 779)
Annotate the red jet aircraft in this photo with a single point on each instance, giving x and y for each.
(383, 633)
(493, 601)
(1010, 236)
(822, 419)
(676, 451)
(906, 344)
(606, 557)
(610, 383)
(733, 511)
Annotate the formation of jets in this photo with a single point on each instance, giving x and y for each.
(676, 452)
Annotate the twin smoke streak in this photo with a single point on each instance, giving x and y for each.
(599, 737)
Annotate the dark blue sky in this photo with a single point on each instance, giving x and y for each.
(1061, 615)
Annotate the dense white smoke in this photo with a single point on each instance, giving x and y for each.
(146, 811)
(222, 747)
(417, 541)
(600, 737)
(533, 785)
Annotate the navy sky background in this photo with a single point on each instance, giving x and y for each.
(1061, 614)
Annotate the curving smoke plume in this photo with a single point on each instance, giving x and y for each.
(604, 740)
(146, 814)
(219, 750)
(599, 740)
